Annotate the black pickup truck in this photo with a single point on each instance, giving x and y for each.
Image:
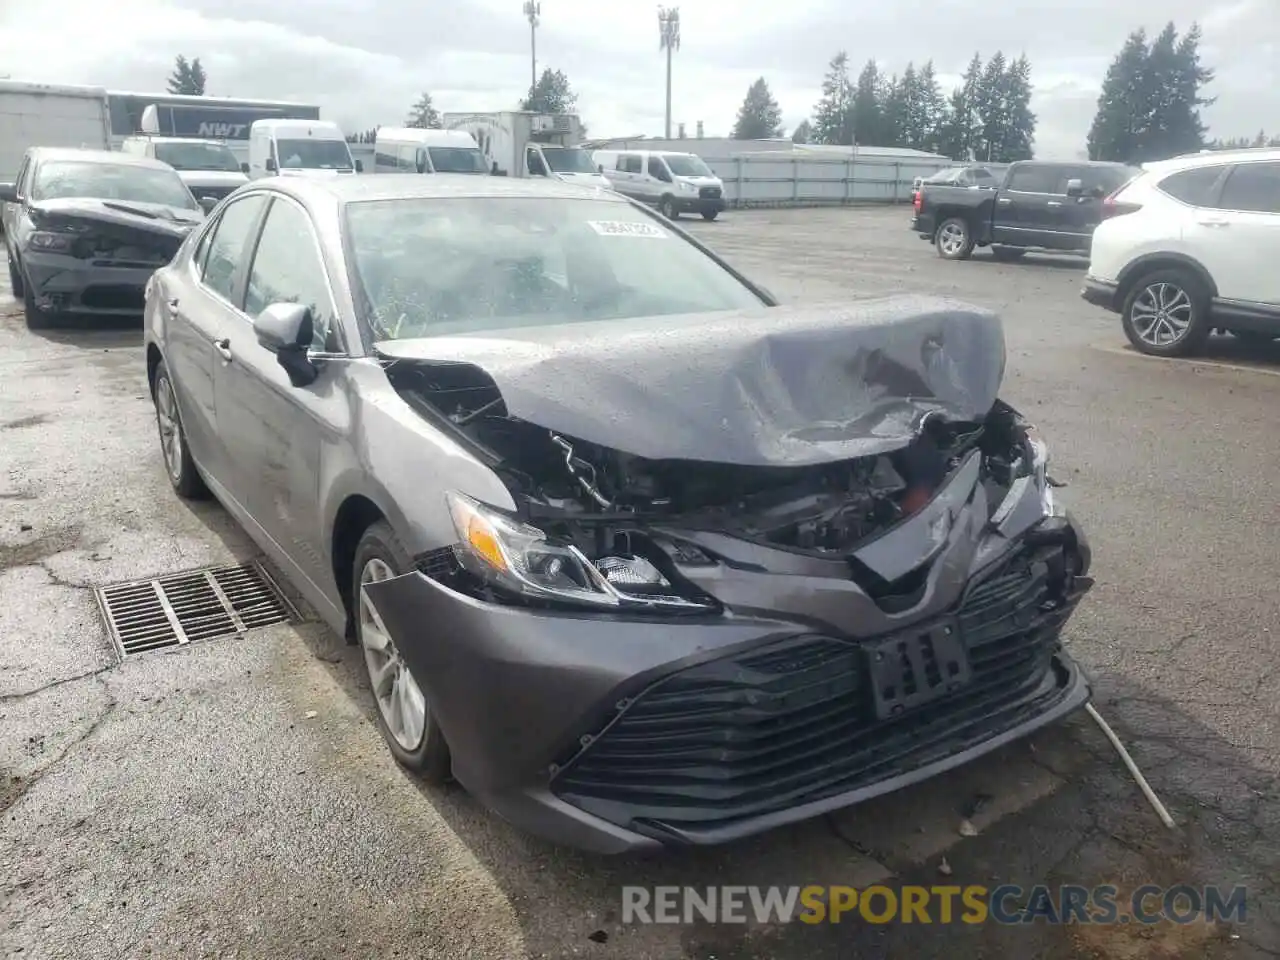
(1040, 206)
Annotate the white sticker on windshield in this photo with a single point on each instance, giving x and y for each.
(627, 228)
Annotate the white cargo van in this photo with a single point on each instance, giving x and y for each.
(299, 148)
(418, 150)
(519, 143)
(673, 182)
(207, 167)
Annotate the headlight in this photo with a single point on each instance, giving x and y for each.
(687, 186)
(50, 242)
(520, 559)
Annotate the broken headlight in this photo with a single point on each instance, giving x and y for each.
(1039, 470)
(521, 560)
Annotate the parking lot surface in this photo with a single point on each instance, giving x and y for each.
(233, 798)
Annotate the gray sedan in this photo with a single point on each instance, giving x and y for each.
(635, 554)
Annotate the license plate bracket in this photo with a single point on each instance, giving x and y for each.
(915, 667)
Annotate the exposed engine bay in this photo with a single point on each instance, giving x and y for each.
(115, 235)
(607, 503)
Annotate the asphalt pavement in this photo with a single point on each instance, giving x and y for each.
(233, 799)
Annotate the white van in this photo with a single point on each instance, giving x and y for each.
(299, 148)
(416, 150)
(207, 167)
(673, 182)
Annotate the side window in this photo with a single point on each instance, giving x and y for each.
(1193, 186)
(202, 249)
(632, 164)
(1253, 187)
(383, 158)
(1037, 178)
(287, 268)
(229, 244)
(404, 158)
(657, 170)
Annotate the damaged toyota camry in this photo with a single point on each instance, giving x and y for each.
(637, 555)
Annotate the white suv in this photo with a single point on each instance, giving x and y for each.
(1189, 246)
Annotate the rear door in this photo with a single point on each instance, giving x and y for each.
(1081, 215)
(1029, 208)
(1239, 241)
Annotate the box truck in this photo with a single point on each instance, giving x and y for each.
(521, 143)
(46, 115)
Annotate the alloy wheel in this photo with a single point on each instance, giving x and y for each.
(400, 700)
(951, 239)
(170, 428)
(1161, 314)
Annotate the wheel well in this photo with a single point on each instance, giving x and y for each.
(950, 213)
(356, 515)
(153, 361)
(1141, 267)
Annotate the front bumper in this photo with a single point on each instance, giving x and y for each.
(686, 203)
(1101, 293)
(923, 226)
(66, 284)
(616, 733)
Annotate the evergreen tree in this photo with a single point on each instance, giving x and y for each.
(803, 132)
(551, 94)
(895, 108)
(932, 107)
(868, 118)
(833, 115)
(1150, 103)
(989, 109)
(760, 116)
(1020, 123)
(423, 114)
(188, 77)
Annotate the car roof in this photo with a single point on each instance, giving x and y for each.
(440, 186)
(1211, 158)
(97, 156)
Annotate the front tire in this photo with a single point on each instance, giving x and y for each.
(404, 718)
(954, 239)
(1166, 314)
(31, 313)
(710, 214)
(667, 207)
(178, 465)
(15, 277)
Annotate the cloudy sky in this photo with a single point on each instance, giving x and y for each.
(365, 61)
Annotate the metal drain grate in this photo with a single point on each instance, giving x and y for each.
(194, 605)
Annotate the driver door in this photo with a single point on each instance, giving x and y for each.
(273, 431)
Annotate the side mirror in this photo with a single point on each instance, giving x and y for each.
(359, 166)
(8, 193)
(244, 168)
(208, 203)
(1075, 187)
(270, 165)
(600, 167)
(285, 330)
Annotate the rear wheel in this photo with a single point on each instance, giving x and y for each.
(710, 214)
(954, 239)
(667, 207)
(179, 466)
(404, 716)
(1166, 313)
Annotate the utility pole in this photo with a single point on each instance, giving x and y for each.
(533, 10)
(669, 40)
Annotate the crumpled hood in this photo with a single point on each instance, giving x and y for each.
(780, 386)
(584, 179)
(175, 221)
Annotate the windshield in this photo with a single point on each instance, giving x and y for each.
(63, 179)
(457, 160)
(197, 156)
(569, 160)
(687, 166)
(428, 267)
(313, 154)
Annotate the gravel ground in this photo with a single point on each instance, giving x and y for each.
(233, 798)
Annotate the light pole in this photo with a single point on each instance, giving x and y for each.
(669, 40)
(533, 10)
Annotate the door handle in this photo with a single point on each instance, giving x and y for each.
(1004, 201)
(223, 346)
(1054, 203)
(1214, 223)
(172, 303)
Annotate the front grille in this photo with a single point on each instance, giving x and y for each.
(796, 721)
(115, 296)
(709, 193)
